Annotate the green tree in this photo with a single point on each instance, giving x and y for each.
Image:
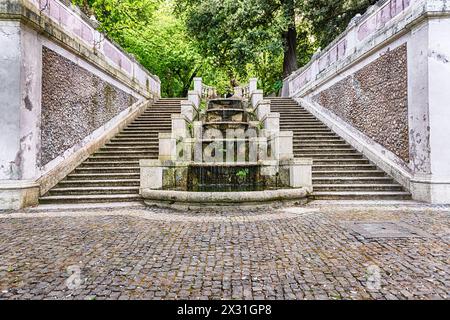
(149, 30)
(238, 32)
(328, 18)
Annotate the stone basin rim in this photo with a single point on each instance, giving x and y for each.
(224, 198)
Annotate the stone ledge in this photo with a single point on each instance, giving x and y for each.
(17, 194)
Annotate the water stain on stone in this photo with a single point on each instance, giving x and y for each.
(438, 56)
(28, 104)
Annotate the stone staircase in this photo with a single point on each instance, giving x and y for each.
(339, 171)
(112, 173)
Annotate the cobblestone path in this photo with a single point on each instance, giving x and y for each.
(292, 253)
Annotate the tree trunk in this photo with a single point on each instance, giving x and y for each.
(290, 39)
(187, 84)
(290, 51)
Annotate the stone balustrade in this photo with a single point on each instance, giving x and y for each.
(205, 92)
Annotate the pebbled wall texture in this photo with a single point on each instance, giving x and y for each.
(74, 104)
(375, 101)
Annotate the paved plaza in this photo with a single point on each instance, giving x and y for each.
(312, 252)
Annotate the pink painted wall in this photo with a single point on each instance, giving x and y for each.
(348, 41)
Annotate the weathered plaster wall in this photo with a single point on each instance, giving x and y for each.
(75, 103)
(375, 101)
(10, 89)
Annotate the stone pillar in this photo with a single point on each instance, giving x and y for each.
(285, 92)
(20, 109)
(195, 98)
(198, 86)
(167, 147)
(253, 85)
(256, 96)
(198, 135)
(188, 110)
(300, 173)
(263, 109)
(151, 175)
(179, 129)
(285, 145)
(272, 122)
(428, 110)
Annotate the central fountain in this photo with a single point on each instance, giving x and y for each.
(230, 152)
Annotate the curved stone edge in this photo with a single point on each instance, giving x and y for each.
(185, 200)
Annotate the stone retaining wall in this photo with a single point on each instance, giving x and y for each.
(75, 103)
(375, 101)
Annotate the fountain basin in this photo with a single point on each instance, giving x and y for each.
(231, 103)
(185, 200)
(226, 115)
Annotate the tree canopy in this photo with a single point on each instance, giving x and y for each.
(223, 41)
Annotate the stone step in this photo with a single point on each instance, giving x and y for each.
(152, 117)
(129, 149)
(102, 176)
(302, 127)
(90, 198)
(93, 190)
(361, 195)
(295, 115)
(296, 120)
(146, 127)
(159, 114)
(336, 146)
(312, 137)
(336, 167)
(351, 180)
(114, 164)
(311, 131)
(348, 173)
(320, 144)
(114, 170)
(128, 152)
(100, 183)
(164, 121)
(357, 187)
(137, 135)
(340, 161)
(288, 109)
(325, 151)
(321, 156)
(154, 120)
(132, 142)
(122, 158)
(163, 109)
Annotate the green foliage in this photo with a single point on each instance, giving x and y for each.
(240, 38)
(328, 18)
(148, 30)
(242, 173)
(223, 41)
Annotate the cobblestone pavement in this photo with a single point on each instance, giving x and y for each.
(291, 253)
